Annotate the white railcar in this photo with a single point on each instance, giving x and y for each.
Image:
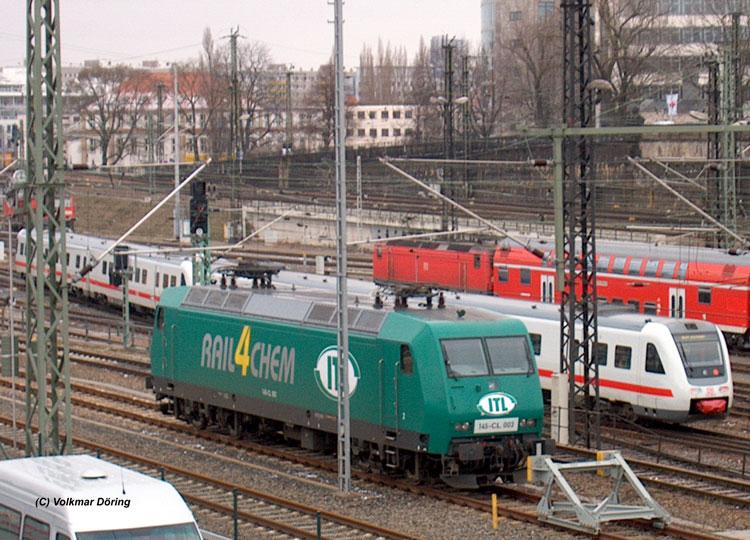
(84, 498)
(151, 273)
(655, 367)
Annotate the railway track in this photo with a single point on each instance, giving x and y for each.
(142, 411)
(258, 514)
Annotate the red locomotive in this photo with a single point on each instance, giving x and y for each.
(679, 282)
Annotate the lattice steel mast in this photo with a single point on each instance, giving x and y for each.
(46, 295)
(578, 307)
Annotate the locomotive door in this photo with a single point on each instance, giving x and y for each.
(677, 303)
(548, 289)
(389, 396)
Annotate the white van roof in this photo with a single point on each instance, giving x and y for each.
(85, 478)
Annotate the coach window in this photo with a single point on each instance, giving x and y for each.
(144, 275)
(653, 361)
(104, 268)
(600, 353)
(137, 275)
(10, 523)
(33, 529)
(477, 261)
(165, 280)
(617, 302)
(602, 265)
(622, 356)
(704, 295)
(407, 364)
(619, 266)
(536, 342)
(78, 261)
(668, 269)
(61, 536)
(156, 283)
(649, 308)
(651, 267)
(22, 249)
(525, 276)
(635, 267)
(636, 304)
(502, 274)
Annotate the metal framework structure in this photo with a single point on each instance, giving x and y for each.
(731, 105)
(342, 311)
(199, 233)
(47, 368)
(448, 214)
(579, 247)
(713, 191)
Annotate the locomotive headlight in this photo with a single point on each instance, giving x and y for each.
(527, 422)
(462, 426)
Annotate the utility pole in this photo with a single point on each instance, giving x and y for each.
(713, 191)
(342, 308)
(448, 150)
(151, 157)
(359, 194)
(286, 152)
(466, 120)
(159, 122)
(731, 106)
(47, 368)
(578, 212)
(235, 132)
(177, 216)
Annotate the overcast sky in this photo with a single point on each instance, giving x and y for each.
(296, 31)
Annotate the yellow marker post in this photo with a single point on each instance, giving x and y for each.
(495, 519)
(600, 457)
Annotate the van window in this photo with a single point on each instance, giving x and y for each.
(600, 353)
(653, 361)
(407, 363)
(10, 523)
(525, 276)
(622, 356)
(33, 529)
(536, 342)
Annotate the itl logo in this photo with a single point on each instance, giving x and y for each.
(496, 404)
(327, 372)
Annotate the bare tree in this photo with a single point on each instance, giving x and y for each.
(628, 44)
(423, 87)
(192, 100)
(487, 96)
(114, 101)
(322, 99)
(256, 118)
(531, 57)
(212, 65)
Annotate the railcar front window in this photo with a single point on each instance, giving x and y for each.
(509, 355)
(701, 355)
(464, 357)
(184, 531)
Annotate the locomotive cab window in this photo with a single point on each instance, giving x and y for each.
(623, 356)
(464, 357)
(653, 360)
(704, 295)
(509, 355)
(536, 342)
(525, 276)
(407, 363)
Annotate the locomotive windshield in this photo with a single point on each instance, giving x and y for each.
(469, 357)
(701, 355)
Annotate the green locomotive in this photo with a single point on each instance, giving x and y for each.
(433, 392)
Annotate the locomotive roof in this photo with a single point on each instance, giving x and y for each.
(317, 307)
